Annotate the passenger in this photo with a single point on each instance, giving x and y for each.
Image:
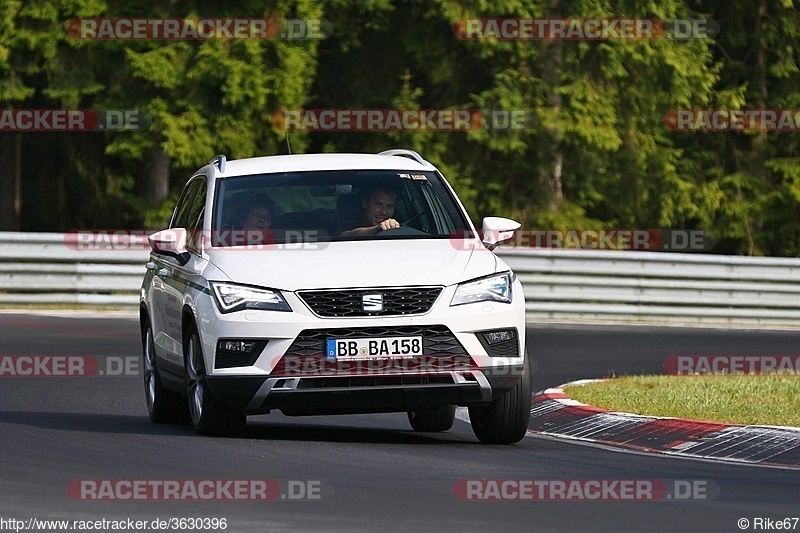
(254, 221)
(257, 214)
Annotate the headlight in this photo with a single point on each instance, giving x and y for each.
(230, 297)
(494, 288)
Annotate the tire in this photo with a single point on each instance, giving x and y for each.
(505, 420)
(163, 405)
(208, 415)
(432, 420)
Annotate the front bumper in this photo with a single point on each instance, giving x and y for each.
(340, 394)
(467, 375)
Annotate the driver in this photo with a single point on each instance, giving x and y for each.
(377, 216)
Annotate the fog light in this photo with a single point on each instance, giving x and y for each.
(233, 353)
(500, 342)
(495, 337)
(236, 346)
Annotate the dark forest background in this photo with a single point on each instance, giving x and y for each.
(597, 154)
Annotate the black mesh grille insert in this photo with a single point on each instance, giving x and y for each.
(436, 340)
(505, 349)
(347, 303)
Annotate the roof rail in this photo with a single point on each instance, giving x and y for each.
(402, 152)
(220, 161)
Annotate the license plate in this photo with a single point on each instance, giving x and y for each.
(373, 347)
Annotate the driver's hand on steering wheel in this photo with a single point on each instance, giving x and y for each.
(389, 223)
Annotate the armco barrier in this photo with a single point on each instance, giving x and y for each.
(562, 285)
(658, 287)
(41, 269)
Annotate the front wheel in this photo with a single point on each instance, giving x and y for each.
(505, 420)
(433, 420)
(209, 416)
(163, 405)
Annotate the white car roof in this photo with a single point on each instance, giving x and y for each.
(312, 162)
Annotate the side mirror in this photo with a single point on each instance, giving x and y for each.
(497, 230)
(170, 242)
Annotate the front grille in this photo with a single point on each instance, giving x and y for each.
(436, 340)
(347, 303)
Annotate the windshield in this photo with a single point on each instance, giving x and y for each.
(334, 206)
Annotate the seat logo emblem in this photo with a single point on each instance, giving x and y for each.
(372, 302)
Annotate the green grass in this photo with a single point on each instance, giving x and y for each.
(767, 400)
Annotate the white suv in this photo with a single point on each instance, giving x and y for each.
(276, 287)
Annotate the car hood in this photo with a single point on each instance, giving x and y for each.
(356, 264)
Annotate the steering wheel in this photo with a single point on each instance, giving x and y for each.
(402, 231)
(424, 211)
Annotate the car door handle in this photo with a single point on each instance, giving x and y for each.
(164, 273)
(151, 266)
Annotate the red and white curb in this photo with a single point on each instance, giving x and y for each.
(554, 414)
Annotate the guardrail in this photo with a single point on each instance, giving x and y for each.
(41, 269)
(658, 287)
(561, 285)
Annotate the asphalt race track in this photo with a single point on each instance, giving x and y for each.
(375, 474)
